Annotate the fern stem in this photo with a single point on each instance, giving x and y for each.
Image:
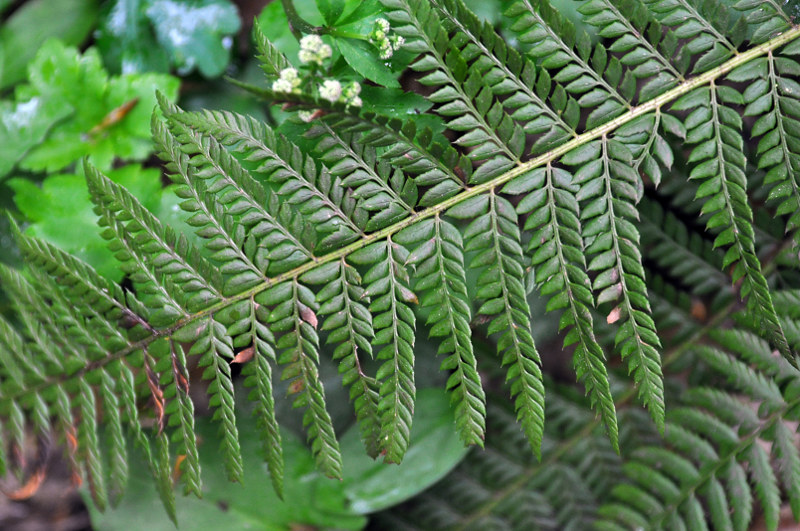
(520, 169)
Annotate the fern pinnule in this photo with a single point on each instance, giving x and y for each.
(349, 324)
(589, 75)
(387, 284)
(293, 316)
(438, 258)
(608, 188)
(494, 234)
(719, 162)
(511, 78)
(772, 99)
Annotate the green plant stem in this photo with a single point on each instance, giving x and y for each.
(442, 207)
(297, 24)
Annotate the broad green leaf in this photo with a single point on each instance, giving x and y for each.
(111, 117)
(63, 201)
(35, 22)
(435, 449)
(363, 58)
(126, 39)
(196, 33)
(151, 35)
(331, 9)
(25, 124)
(310, 500)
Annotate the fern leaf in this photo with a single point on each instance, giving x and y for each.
(607, 184)
(769, 98)
(269, 58)
(439, 260)
(294, 315)
(313, 192)
(719, 162)
(495, 235)
(639, 37)
(256, 339)
(349, 324)
(560, 272)
(418, 154)
(387, 286)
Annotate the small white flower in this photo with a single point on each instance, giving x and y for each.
(313, 50)
(330, 90)
(289, 81)
(282, 85)
(350, 94)
(306, 116)
(289, 74)
(385, 49)
(311, 43)
(397, 41)
(383, 24)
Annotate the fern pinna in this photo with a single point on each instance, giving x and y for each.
(364, 237)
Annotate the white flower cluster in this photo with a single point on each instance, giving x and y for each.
(387, 44)
(288, 81)
(333, 91)
(313, 50)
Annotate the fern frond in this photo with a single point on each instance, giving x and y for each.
(713, 454)
(394, 322)
(463, 97)
(564, 139)
(439, 261)
(646, 51)
(311, 191)
(494, 234)
(718, 160)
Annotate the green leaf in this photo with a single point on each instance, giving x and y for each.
(152, 35)
(126, 40)
(24, 125)
(363, 58)
(63, 201)
(35, 22)
(434, 450)
(310, 499)
(111, 114)
(331, 10)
